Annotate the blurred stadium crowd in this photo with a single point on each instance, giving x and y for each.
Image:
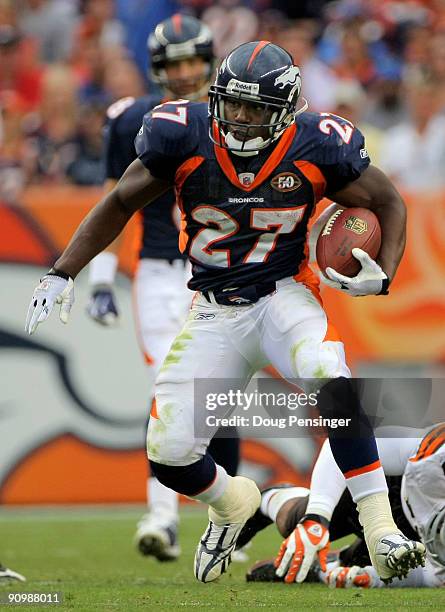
(379, 63)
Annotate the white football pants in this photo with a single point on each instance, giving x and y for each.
(161, 301)
(288, 329)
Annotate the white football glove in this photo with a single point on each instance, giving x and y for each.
(371, 280)
(298, 552)
(52, 289)
(349, 577)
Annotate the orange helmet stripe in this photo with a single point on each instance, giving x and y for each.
(257, 49)
(177, 23)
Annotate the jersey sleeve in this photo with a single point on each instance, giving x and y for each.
(119, 135)
(168, 136)
(342, 154)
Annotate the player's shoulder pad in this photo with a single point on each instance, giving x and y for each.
(329, 139)
(125, 116)
(172, 129)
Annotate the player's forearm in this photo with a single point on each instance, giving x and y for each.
(375, 191)
(115, 246)
(392, 218)
(99, 228)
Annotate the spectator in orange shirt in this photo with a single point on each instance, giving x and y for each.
(19, 70)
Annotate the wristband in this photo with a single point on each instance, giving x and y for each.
(315, 517)
(57, 272)
(385, 287)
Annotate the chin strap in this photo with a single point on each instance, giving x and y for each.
(250, 147)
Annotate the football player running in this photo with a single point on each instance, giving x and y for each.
(416, 479)
(247, 188)
(181, 50)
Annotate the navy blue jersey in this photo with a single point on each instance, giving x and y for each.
(245, 219)
(159, 231)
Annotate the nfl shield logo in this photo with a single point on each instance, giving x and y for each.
(246, 178)
(356, 225)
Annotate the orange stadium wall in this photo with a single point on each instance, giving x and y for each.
(74, 400)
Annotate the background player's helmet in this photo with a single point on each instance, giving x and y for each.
(180, 37)
(258, 72)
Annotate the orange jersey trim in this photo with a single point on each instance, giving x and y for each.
(182, 174)
(154, 409)
(431, 442)
(363, 470)
(226, 164)
(314, 175)
(260, 45)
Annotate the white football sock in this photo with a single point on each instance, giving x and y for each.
(272, 501)
(162, 501)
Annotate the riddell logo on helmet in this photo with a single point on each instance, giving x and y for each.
(285, 181)
(235, 86)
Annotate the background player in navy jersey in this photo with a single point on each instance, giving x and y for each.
(246, 194)
(182, 61)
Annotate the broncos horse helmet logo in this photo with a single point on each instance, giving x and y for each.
(291, 77)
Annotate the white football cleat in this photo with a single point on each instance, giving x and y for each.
(158, 538)
(213, 554)
(9, 574)
(395, 555)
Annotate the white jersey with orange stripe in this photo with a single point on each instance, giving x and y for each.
(423, 498)
(418, 456)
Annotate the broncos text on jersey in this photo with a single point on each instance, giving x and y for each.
(159, 229)
(245, 220)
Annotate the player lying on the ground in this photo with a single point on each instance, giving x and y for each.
(9, 574)
(415, 469)
(247, 182)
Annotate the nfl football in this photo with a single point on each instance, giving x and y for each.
(346, 229)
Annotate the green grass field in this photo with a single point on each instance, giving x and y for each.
(88, 555)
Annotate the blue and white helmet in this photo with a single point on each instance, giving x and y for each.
(258, 72)
(180, 37)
